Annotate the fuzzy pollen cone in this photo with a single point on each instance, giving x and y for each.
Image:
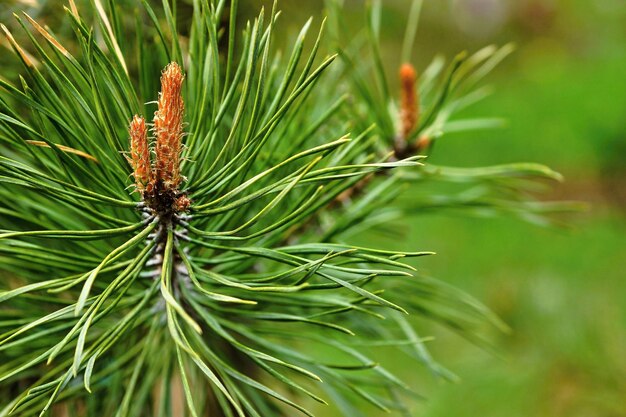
(168, 127)
(139, 152)
(409, 102)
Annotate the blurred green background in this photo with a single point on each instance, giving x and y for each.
(561, 290)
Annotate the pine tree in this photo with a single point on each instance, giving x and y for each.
(176, 213)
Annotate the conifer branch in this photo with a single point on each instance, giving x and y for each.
(199, 256)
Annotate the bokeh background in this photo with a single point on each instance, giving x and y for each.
(562, 290)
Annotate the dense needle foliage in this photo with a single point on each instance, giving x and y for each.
(175, 213)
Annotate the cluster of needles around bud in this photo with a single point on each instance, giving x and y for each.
(409, 118)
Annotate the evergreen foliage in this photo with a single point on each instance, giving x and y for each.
(214, 254)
